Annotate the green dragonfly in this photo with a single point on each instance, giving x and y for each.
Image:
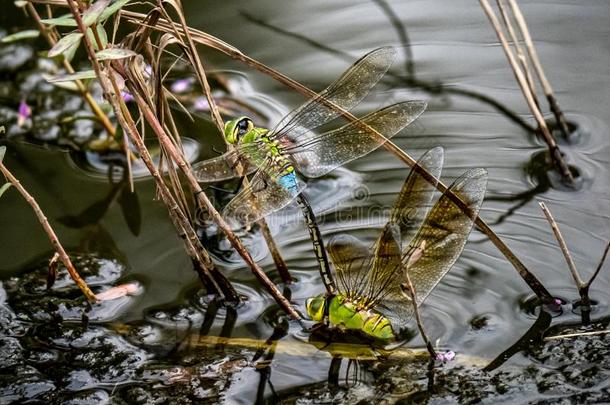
(372, 295)
(277, 155)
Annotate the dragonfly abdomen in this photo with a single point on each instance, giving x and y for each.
(345, 313)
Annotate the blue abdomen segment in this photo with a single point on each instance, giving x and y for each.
(289, 182)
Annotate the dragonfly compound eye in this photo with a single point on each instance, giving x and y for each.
(243, 127)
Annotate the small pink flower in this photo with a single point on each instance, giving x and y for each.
(24, 113)
(127, 97)
(445, 356)
(181, 85)
(201, 104)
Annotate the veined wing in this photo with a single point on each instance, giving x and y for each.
(320, 155)
(268, 191)
(351, 260)
(346, 92)
(442, 236)
(386, 267)
(223, 167)
(414, 200)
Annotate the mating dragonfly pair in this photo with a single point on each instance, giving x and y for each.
(371, 295)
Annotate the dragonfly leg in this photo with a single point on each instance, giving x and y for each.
(228, 191)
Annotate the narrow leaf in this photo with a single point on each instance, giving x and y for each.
(114, 53)
(113, 8)
(2, 152)
(4, 187)
(85, 74)
(20, 35)
(63, 21)
(66, 44)
(93, 13)
(101, 33)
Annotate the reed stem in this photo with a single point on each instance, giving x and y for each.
(58, 247)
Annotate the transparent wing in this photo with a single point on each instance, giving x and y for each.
(321, 154)
(268, 192)
(386, 267)
(346, 92)
(223, 167)
(443, 236)
(351, 260)
(414, 200)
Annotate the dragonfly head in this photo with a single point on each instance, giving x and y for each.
(315, 307)
(237, 128)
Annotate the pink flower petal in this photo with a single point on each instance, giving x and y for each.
(119, 291)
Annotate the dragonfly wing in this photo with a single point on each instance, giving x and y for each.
(445, 232)
(320, 155)
(350, 258)
(387, 263)
(414, 200)
(222, 167)
(346, 92)
(269, 190)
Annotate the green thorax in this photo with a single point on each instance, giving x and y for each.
(241, 131)
(348, 314)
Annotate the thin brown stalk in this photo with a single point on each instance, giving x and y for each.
(205, 202)
(563, 246)
(102, 117)
(546, 85)
(65, 259)
(215, 43)
(196, 62)
(118, 111)
(519, 49)
(578, 334)
(420, 325)
(554, 150)
(206, 270)
(600, 264)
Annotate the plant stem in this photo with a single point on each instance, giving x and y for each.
(554, 150)
(196, 62)
(137, 139)
(563, 246)
(546, 85)
(63, 256)
(103, 118)
(420, 324)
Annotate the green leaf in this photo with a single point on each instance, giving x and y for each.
(2, 152)
(82, 75)
(93, 13)
(113, 8)
(21, 35)
(115, 53)
(67, 44)
(63, 21)
(4, 187)
(101, 32)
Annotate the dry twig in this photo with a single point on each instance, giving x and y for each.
(63, 256)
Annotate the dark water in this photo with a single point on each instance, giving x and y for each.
(453, 62)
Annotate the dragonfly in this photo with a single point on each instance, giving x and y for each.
(278, 157)
(372, 294)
